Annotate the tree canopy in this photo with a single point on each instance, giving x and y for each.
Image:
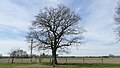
(56, 29)
(18, 53)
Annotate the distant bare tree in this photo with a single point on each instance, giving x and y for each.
(17, 53)
(56, 29)
(12, 55)
(117, 20)
(111, 55)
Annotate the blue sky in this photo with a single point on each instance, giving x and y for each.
(97, 18)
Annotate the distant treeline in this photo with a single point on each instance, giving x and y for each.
(49, 56)
(88, 56)
(43, 55)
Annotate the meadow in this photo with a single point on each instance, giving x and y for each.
(59, 66)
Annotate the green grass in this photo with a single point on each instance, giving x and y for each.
(95, 66)
(59, 66)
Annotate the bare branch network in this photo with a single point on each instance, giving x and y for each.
(56, 29)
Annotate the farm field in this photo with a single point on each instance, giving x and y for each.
(65, 60)
(63, 63)
(59, 66)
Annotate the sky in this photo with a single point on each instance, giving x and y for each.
(97, 17)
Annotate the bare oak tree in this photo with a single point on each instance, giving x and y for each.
(56, 29)
(117, 20)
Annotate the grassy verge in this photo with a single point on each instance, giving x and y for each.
(59, 66)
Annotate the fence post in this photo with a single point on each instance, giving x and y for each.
(102, 60)
(40, 60)
(21, 59)
(83, 60)
(35, 59)
(50, 60)
(8, 60)
(66, 60)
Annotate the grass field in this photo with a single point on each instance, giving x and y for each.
(59, 66)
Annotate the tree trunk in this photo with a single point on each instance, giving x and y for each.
(54, 57)
(12, 59)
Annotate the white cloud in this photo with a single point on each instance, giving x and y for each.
(99, 22)
(56, 2)
(94, 50)
(13, 15)
(14, 20)
(7, 45)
